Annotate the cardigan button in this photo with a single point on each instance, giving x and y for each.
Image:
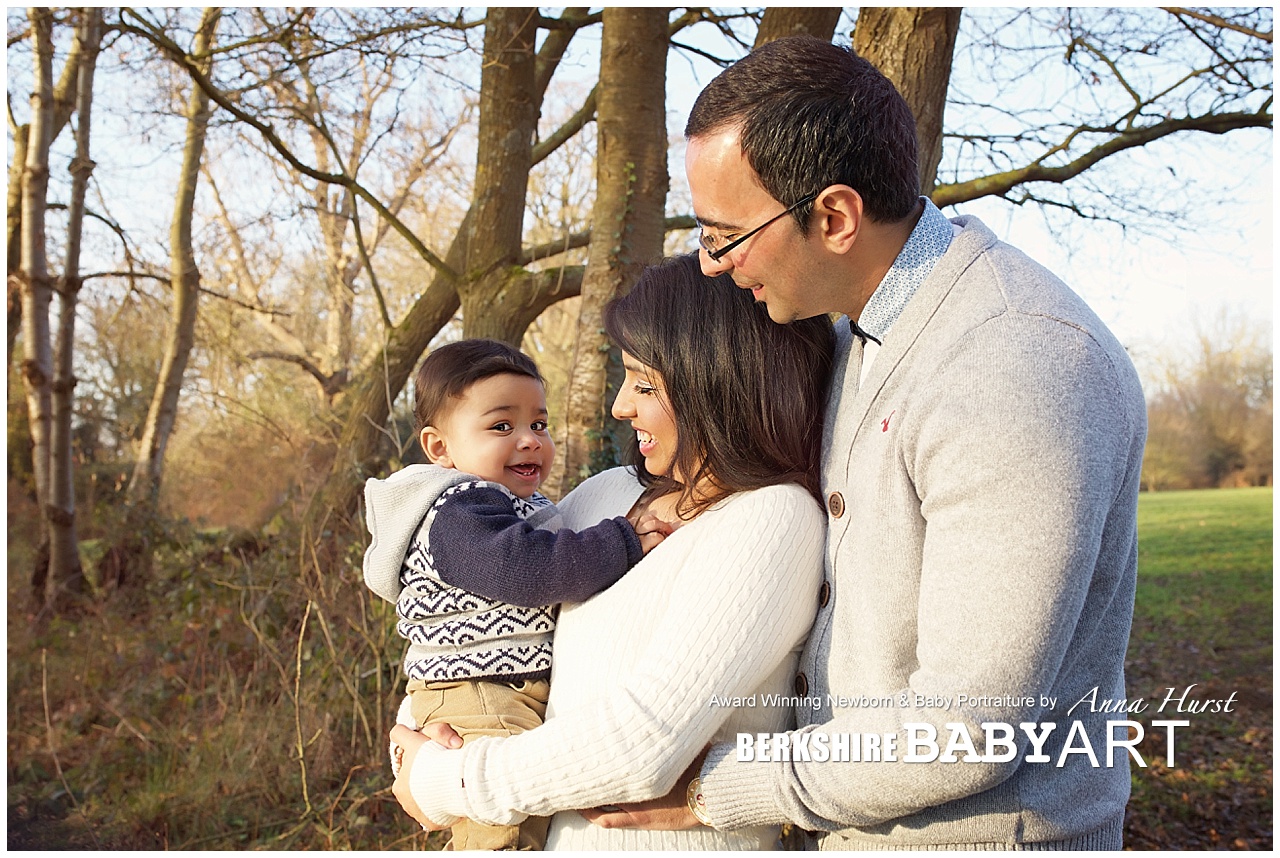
(824, 594)
(802, 685)
(835, 503)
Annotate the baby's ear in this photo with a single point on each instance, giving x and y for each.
(436, 446)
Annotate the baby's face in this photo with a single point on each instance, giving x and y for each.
(497, 430)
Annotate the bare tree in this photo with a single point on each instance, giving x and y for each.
(66, 577)
(63, 99)
(131, 554)
(33, 276)
(631, 190)
(1210, 410)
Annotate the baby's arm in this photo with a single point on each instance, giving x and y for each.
(480, 544)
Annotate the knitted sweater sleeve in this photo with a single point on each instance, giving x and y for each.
(747, 593)
(479, 543)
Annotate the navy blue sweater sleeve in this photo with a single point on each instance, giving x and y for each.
(479, 543)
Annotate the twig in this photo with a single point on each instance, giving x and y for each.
(124, 722)
(342, 675)
(297, 710)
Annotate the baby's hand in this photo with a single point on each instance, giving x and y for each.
(651, 530)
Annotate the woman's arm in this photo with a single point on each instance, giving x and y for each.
(747, 593)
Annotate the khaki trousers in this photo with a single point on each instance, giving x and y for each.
(485, 708)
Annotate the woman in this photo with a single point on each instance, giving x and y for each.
(688, 646)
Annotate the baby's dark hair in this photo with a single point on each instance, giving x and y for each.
(448, 371)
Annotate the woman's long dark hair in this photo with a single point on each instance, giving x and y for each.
(747, 393)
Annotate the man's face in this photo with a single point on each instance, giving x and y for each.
(778, 264)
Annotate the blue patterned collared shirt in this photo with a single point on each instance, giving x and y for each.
(928, 242)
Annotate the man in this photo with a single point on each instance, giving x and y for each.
(983, 447)
(982, 451)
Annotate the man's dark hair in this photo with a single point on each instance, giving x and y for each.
(747, 394)
(811, 115)
(448, 371)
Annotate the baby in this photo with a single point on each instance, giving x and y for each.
(474, 558)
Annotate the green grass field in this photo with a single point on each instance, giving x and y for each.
(175, 723)
(1203, 616)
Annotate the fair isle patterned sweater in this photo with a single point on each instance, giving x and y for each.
(476, 572)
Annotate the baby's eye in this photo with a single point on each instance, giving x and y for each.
(539, 426)
(504, 426)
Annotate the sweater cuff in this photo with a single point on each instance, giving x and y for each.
(635, 551)
(739, 795)
(435, 781)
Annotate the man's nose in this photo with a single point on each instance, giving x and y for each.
(711, 267)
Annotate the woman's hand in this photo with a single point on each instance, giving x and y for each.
(411, 742)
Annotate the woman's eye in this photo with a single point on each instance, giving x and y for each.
(645, 390)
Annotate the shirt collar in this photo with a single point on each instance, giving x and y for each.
(927, 244)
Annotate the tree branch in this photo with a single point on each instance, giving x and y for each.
(1218, 22)
(576, 240)
(202, 80)
(572, 126)
(1001, 183)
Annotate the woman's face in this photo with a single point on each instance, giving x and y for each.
(643, 402)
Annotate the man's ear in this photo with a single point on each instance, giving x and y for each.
(435, 446)
(837, 217)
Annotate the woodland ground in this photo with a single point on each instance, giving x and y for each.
(238, 701)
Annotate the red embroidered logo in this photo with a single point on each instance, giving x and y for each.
(884, 424)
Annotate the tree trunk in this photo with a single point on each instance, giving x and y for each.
(627, 233)
(63, 99)
(144, 487)
(779, 21)
(509, 110)
(66, 576)
(37, 364)
(913, 46)
(13, 235)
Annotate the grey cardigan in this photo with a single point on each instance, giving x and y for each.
(983, 543)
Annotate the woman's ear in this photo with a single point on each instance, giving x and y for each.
(837, 216)
(436, 446)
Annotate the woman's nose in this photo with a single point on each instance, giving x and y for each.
(622, 407)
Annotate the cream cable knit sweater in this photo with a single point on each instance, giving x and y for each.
(718, 611)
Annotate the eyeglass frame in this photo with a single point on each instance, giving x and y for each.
(717, 255)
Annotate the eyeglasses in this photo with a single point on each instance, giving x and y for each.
(709, 242)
